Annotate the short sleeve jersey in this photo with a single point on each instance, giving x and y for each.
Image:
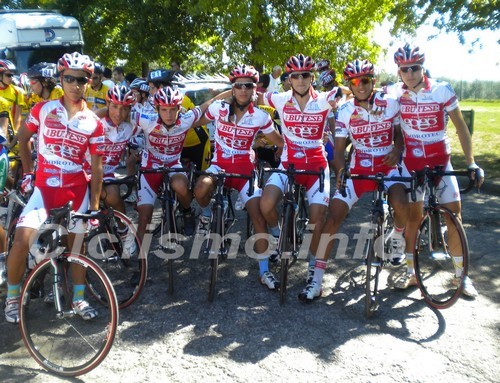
(371, 136)
(115, 141)
(63, 143)
(233, 141)
(423, 118)
(55, 94)
(164, 145)
(96, 99)
(303, 130)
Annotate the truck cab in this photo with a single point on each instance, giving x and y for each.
(32, 36)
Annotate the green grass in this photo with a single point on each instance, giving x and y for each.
(485, 139)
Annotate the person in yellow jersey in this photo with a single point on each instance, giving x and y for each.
(96, 93)
(43, 83)
(12, 94)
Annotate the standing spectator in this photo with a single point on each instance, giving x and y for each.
(285, 84)
(274, 80)
(119, 76)
(97, 91)
(176, 66)
(129, 78)
(106, 77)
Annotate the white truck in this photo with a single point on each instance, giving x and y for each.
(28, 37)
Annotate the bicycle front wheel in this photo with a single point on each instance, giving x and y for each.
(61, 341)
(286, 248)
(439, 273)
(373, 270)
(215, 249)
(127, 270)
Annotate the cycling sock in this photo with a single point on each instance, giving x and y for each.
(205, 211)
(263, 266)
(13, 291)
(459, 265)
(275, 231)
(319, 271)
(398, 231)
(78, 291)
(409, 263)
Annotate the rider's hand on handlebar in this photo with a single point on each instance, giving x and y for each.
(392, 158)
(477, 174)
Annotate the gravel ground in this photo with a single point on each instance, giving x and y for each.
(246, 335)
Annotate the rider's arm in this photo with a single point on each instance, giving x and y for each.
(96, 181)
(203, 107)
(339, 154)
(463, 134)
(102, 112)
(394, 156)
(24, 136)
(276, 139)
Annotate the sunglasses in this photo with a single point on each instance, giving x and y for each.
(362, 80)
(9, 74)
(71, 79)
(304, 75)
(244, 85)
(414, 68)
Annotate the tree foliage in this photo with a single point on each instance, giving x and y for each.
(207, 35)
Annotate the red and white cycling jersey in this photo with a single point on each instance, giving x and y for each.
(423, 120)
(115, 141)
(163, 146)
(63, 143)
(233, 141)
(372, 136)
(303, 130)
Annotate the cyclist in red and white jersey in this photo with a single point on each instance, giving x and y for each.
(236, 126)
(304, 114)
(424, 104)
(377, 143)
(164, 138)
(66, 129)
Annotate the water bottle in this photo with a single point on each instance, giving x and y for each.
(3, 271)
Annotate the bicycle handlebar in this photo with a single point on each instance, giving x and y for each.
(129, 181)
(224, 175)
(291, 172)
(380, 178)
(438, 171)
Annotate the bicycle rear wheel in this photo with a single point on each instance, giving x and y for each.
(127, 273)
(286, 248)
(215, 248)
(62, 342)
(435, 267)
(374, 265)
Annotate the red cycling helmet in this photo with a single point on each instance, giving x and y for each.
(120, 95)
(358, 68)
(75, 61)
(168, 97)
(322, 65)
(407, 55)
(244, 71)
(300, 63)
(7, 65)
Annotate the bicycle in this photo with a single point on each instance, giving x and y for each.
(55, 336)
(435, 267)
(106, 243)
(172, 220)
(221, 220)
(376, 256)
(294, 220)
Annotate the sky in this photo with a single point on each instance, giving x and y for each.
(445, 56)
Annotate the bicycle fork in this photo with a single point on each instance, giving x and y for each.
(58, 278)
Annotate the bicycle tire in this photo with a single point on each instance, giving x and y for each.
(168, 239)
(434, 265)
(286, 247)
(218, 230)
(302, 216)
(68, 345)
(128, 275)
(373, 269)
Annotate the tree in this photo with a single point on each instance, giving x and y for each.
(209, 35)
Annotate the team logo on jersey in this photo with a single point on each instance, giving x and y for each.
(53, 182)
(417, 152)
